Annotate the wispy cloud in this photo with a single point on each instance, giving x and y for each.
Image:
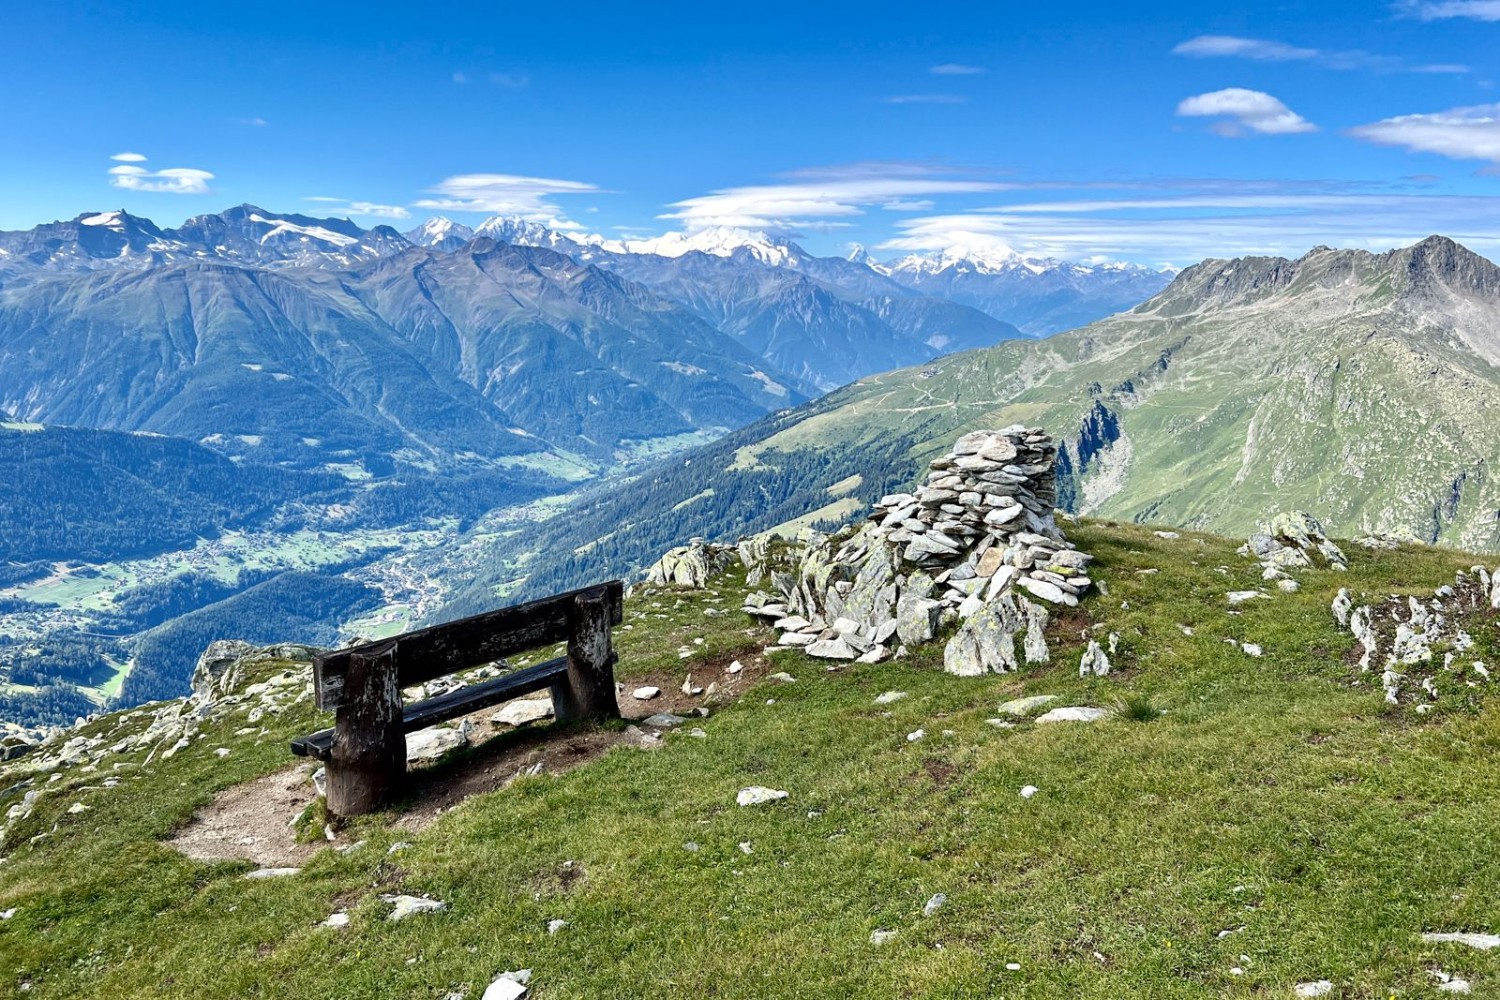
(927, 99)
(1263, 50)
(825, 200)
(1207, 46)
(1444, 10)
(1241, 110)
(956, 69)
(528, 198)
(1471, 133)
(363, 208)
(1191, 227)
(129, 175)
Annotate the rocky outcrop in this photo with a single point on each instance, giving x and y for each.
(1293, 540)
(1424, 650)
(976, 544)
(691, 565)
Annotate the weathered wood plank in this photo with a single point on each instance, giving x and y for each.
(368, 757)
(469, 642)
(590, 689)
(421, 714)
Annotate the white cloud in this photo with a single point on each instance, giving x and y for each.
(515, 81)
(129, 158)
(927, 99)
(1205, 46)
(366, 208)
(1210, 46)
(820, 201)
(1246, 109)
(252, 122)
(1191, 227)
(172, 180)
(1462, 134)
(527, 198)
(1443, 10)
(378, 211)
(956, 69)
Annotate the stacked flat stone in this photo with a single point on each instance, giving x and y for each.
(983, 522)
(971, 545)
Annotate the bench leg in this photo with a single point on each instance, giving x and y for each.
(368, 759)
(588, 691)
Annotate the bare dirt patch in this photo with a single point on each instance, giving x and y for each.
(251, 822)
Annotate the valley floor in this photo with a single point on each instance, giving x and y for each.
(1245, 824)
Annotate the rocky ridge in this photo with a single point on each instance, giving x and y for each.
(976, 544)
(1421, 648)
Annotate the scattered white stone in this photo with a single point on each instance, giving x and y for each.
(1025, 706)
(1094, 661)
(7, 914)
(77, 808)
(1073, 713)
(1319, 988)
(914, 736)
(339, 919)
(221, 752)
(735, 667)
(403, 906)
(1251, 649)
(1288, 586)
(757, 795)
(1484, 942)
(1169, 535)
(746, 847)
(553, 926)
(878, 938)
(519, 713)
(1012, 966)
(889, 696)
(397, 847)
(934, 904)
(1241, 596)
(263, 873)
(783, 677)
(645, 693)
(508, 986)
(1028, 791)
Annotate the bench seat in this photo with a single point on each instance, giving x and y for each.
(462, 701)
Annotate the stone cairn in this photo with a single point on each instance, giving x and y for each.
(976, 544)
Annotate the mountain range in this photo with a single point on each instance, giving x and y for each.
(315, 343)
(1365, 387)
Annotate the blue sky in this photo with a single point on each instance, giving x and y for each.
(1160, 132)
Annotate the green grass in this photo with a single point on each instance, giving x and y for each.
(1272, 797)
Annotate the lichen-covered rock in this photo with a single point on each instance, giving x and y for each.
(986, 643)
(1293, 539)
(691, 565)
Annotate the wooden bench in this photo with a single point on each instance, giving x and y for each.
(365, 750)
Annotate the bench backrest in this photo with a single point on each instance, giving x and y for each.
(434, 652)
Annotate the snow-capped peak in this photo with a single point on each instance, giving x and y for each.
(437, 229)
(992, 257)
(719, 241)
(112, 220)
